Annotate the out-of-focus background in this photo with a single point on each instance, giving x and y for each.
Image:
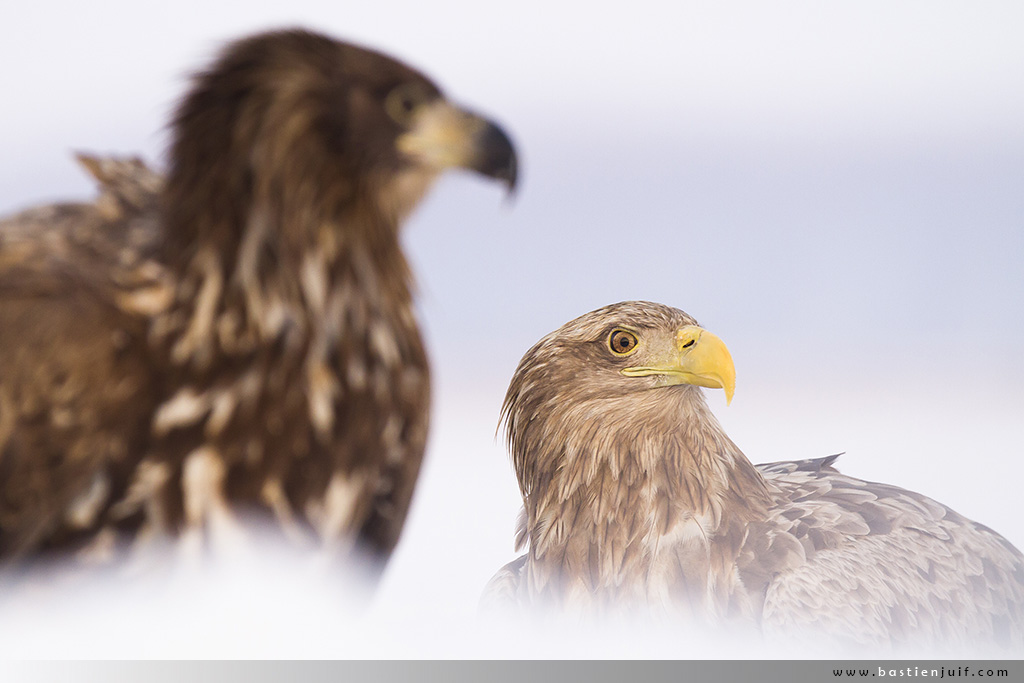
(835, 189)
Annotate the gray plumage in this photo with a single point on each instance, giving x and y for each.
(637, 502)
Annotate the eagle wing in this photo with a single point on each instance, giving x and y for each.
(503, 592)
(75, 381)
(888, 564)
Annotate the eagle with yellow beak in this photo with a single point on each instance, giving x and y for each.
(233, 345)
(636, 501)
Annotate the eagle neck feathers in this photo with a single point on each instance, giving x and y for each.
(625, 505)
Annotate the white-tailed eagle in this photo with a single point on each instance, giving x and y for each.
(635, 500)
(236, 340)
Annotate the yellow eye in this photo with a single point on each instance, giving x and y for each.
(622, 343)
(403, 101)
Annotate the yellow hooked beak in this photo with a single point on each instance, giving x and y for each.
(699, 358)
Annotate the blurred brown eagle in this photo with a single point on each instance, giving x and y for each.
(635, 500)
(237, 341)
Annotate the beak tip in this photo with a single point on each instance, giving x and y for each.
(497, 157)
(511, 184)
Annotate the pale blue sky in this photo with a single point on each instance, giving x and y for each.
(837, 190)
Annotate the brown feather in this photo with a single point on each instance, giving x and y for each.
(239, 341)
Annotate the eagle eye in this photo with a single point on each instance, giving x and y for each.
(402, 102)
(622, 342)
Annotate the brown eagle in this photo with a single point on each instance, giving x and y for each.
(636, 501)
(237, 341)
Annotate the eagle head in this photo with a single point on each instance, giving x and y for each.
(281, 110)
(601, 379)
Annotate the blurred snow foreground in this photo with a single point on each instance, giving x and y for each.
(262, 599)
(256, 597)
(270, 602)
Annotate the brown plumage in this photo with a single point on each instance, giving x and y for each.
(236, 343)
(636, 501)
